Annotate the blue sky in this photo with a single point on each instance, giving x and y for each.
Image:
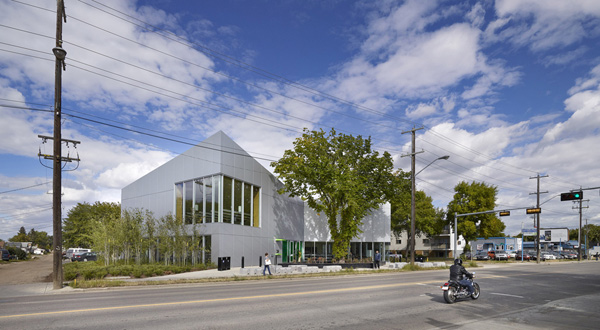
(508, 89)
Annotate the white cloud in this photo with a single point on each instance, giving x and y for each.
(545, 24)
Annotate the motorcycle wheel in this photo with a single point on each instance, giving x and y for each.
(450, 295)
(475, 294)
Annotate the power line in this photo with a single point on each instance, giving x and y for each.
(19, 189)
(433, 132)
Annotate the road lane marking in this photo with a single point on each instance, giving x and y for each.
(507, 295)
(370, 287)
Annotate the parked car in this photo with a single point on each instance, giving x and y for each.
(71, 251)
(512, 254)
(569, 255)
(492, 254)
(558, 255)
(500, 255)
(526, 256)
(5, 255)
(85, 256)
(482, 256)
(547, 256)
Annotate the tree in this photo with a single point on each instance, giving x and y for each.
(40, 239)
(21, 236)
(79, 226)
(472, 198)
(339, 175)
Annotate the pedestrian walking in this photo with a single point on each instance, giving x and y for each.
(377, 259)
(267, 264)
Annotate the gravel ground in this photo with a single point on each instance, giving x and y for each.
(36, 270)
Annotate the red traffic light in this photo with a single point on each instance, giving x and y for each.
(571, 196)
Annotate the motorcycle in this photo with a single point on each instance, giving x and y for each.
(453, 291)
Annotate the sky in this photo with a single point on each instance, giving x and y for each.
(509, 89)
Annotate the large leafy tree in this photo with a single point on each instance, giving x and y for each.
(81, 221)
(338, 175)
(472, 198)
(590, 230)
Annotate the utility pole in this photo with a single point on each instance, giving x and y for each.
(537, 239)
(59, 53)
(412, 196)
(586, 244)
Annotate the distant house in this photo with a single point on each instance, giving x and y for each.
(220, 188)
(25, 246)
(439, 246)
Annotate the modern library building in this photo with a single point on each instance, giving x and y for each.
(231, 201)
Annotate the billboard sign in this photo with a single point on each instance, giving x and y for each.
(554, 235)
(529, 231)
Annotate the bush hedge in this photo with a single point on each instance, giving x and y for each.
(96, 270)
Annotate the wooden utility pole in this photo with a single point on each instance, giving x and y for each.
(57, 271)
(537, 216)
(412, 196)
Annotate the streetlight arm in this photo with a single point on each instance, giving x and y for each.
(443, 157)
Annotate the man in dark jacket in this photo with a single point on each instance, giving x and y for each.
(457, 273)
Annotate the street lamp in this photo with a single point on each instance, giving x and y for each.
(412, 207)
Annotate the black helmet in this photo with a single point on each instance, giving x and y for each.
(458, 262)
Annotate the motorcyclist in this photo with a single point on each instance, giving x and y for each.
(457, 273)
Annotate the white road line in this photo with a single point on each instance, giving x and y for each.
(507, 295)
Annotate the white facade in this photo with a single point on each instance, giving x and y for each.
(263, 224)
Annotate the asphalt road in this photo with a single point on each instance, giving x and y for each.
(526, 296)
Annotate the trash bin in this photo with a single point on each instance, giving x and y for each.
(223, 263)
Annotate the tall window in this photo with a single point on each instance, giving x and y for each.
(227, 199)
(179, 201)
(189, 202)
(212, 204)
(237, 202)
(198, 201)
(256, 206)
(247, 207)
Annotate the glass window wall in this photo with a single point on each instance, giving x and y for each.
(199, 200)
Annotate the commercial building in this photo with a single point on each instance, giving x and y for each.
(438, 246)
(219, 188)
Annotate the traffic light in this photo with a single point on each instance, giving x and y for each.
(571, 196)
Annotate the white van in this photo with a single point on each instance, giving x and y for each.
(72, 251)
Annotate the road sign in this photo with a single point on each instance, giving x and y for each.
(534, 210)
